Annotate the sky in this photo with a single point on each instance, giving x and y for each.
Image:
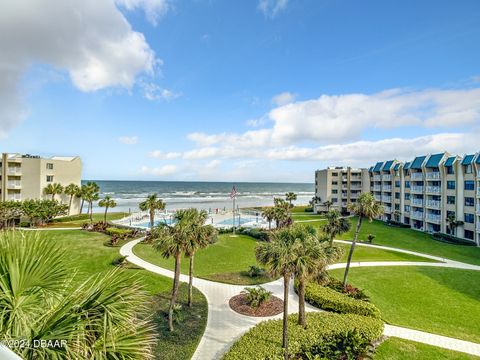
(245, 90)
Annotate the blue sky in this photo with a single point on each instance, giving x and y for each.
(265, 90)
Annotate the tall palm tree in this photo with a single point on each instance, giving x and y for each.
(107, 202)
(53, 189)
(173, 241)
(290, 196)
(269, 215)
(91, 194)
(200, 236)
(328, 204)
(151, 204)
(40, 299)
(281, 211)
(278, 256)
(336, 225)
(365, 207)
(71, 190)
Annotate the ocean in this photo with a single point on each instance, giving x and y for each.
(202, 195)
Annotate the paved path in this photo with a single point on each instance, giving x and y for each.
(225, 326)
(48, 228)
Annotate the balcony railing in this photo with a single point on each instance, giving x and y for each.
(14, 184)
(387, 199)
(478, 211)
(387, 209)
(377, 178)
(387, 177)
(417, 175)
(378, 198)
(416, 189)
(478, 191)
(14, 171)
(387, 188)
(433, 175)
(417, 202)
(478, 173)
(377, 188)
(14, 197)
(433, 189)
(434, 218)
(433, 204)
(417, 215)
(354, 195)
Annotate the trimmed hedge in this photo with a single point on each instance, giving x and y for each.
(452, 239)
(118, 232)
(331, 300)
(398, 224)
(325, 334)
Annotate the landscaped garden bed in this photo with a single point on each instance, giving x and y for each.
(240, 304)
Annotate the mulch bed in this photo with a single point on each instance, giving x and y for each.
(272, 307)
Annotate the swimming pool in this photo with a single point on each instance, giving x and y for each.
(146, 224)
(238, 222)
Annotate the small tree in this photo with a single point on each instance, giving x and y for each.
(290, 196)
(269, 215)
(90, 193)
(71, 190)
(453, 223)
(336, 225)
(107, 202)
(151, 204)
(40, 212)
(281, 211)
(328, 204)
(9, 211)
(53, 189)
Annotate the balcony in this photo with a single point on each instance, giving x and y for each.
(417, 202)
(433, 189)
(387, 177)
(377, 188)
(478, 190)
(378, 198)
(417, 176)
(355, 187)
(387, 209)
(387, 188)
(14, 185)
(344, 204)
(416, 189)
(14, 197)
(434, 204)
(433, 176)
(478, 173)
(434, 218)
(14, 170)
(478, 212)
(386, 199)
(417, 215)
(354, 195)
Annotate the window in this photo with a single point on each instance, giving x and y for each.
(407, 184)
(397, 183)
(334, 174)
(397, 195)
(468, 169)
(450, 170)
(468, 234)
(407, 196)
(469, 218)
(451, 200)
(334, 191)
(407, 208)
(49, 166)
(334, 182)
(469, 185)
(49, 178)
(450, 214)
(397, 207)
(451, 185)
(469, 201)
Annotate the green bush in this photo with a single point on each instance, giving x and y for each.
(331, 300)
(255, 271)
(348, 290)
(255, 233)
(118, 232)
(327, 336)
(398, 224)
(24, 224)
(452, 239)
(256, 296)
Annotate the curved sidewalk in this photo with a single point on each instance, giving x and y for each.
(224, 326)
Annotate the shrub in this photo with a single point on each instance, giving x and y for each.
(452, 239)
(255, 271)
(398, 224)
(331, 300)
(309, 209)
(121, 233)
(258, 234)
(24, 224)
(327, 336)
(256, 296)
(370, 238)
(120, 261)
(349, 290)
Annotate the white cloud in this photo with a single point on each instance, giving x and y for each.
(128, 140)
(152, 91)
(90, 40)
(283, 98)
(164, 170)
(271, 8)
(153, 9)
(164, 155)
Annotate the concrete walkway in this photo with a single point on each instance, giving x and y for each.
(224, 326)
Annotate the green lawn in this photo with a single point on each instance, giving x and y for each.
(363, 253)
(414, 240)
(89, 255)
(79, 220)
(399, 349)
(306, 216)
(437, 300)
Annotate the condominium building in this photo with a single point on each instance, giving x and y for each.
(339, 186)
(25, 176)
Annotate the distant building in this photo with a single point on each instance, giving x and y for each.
(421, 193)
(25, 176)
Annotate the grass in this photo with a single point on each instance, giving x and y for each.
(415, 241)
(88, 254)
(399, 349)
(79, 220)
(437, 300)
(363, 253)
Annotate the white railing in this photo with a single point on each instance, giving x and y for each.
(344, 194)
(417, 202)
(478, 191)
(14, 197)
(386, 199)
(434, 218)
(433, 189)
(433, 175)
(478, 173)
(433, 204)
(417, 189)
(387, 177)
(478, 212)
(378, 198)
(387, 209)
(14, 170)
(478, 225)
(417, 175)
(387, 188)
(14, 184)
(377, 177)
(417, 215)
(354, 195)
(344, 204)
(377, 188)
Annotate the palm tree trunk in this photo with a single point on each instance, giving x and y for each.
(70, 204)
(301, 303)
(105, 215)
(173, 300)
(53, 196)
(152, 218)
(90, 209)
(190, 281)
(350, 254)
(270, 225)
(286, 287)
(331, 241)
(81, 205)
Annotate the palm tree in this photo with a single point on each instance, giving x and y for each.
(151, 204)
(281, 211)
(278, 256)
(107, 202)
(90, 193)
(290, 196)
(53, 189)
(453, 223)
(80, 194)
(100, 318)
(364, 207)
(269, 215)
(173, 241)
(328, 204)
(336, 225)
(200, 236)
(71, 190)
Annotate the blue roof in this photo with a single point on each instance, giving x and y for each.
(407, 165)
(417, 163)
(450, 161)
(377, 167)
(371, 169)
(388, 165)
(478, 159)
(434, 160)
(468, 159)
(397, 166)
